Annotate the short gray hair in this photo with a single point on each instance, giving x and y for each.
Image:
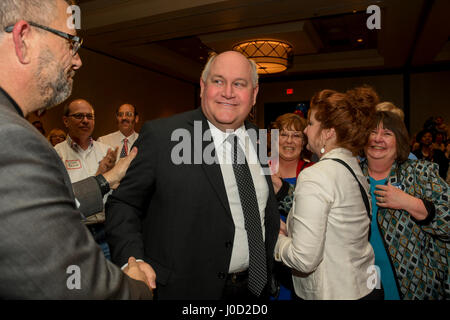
(212, 57)
(38, 11)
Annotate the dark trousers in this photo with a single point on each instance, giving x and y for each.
(376, 294)
(236, 289)
(98, 232)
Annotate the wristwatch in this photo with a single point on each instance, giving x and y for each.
(103, 184)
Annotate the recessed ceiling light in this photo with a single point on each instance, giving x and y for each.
(360, 40)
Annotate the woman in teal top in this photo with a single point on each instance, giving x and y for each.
(410, 215)
(381, 256)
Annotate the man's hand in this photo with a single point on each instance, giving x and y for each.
(134, 271)
(107, 162)
(116, 174)
(149, 273)
(277, 183)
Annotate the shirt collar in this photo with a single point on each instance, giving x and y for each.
(75, 145)
(122, 136)
(220, 136)
(13, 102)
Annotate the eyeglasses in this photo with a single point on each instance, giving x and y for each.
(81, 116)
(75, 41)
(128, 114)
(296, 135)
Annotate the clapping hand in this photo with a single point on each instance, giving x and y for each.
(108, 161)
(116, 174)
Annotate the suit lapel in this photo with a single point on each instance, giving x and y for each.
(256, 144)
(271, 216)
(212, 171)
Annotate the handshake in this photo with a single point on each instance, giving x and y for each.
(141, 271)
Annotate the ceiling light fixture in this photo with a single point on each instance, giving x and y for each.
(271, 56)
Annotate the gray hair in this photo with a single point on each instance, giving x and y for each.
(38, 11)
(212, 57)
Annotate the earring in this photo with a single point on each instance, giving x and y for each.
(322, 151)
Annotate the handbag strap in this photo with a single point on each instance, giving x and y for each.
(361, 188)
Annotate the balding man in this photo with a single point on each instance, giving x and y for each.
(127, 117)
(83, 157)
(208, 228)
(46, 252)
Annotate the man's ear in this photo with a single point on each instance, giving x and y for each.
(255, 93)
(66, 120)
(21, 37)
(136, 119)
(202, 87)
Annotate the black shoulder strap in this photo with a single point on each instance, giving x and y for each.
(303, 165)
(361, 188)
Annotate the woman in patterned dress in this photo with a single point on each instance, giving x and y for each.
(410, 215)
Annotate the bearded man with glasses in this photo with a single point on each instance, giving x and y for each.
(43, 242)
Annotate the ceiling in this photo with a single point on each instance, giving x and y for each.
(175, 37)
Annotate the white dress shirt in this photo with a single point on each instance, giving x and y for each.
(116, 139)
(328, 228)
(81, 164)
(240, 255)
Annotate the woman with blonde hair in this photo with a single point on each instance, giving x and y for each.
(56, 136)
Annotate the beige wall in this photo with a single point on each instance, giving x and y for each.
(108, 83)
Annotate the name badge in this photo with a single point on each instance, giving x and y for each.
(73, 164)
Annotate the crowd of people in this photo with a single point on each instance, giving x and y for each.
(342, 212)
(408, 216)
(432, 143)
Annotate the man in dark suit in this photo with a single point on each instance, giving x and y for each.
(46, 253)
(186, 215)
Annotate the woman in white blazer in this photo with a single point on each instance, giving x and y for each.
(326, 237)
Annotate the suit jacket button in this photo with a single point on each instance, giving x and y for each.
(228, 244)
(221, 275)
